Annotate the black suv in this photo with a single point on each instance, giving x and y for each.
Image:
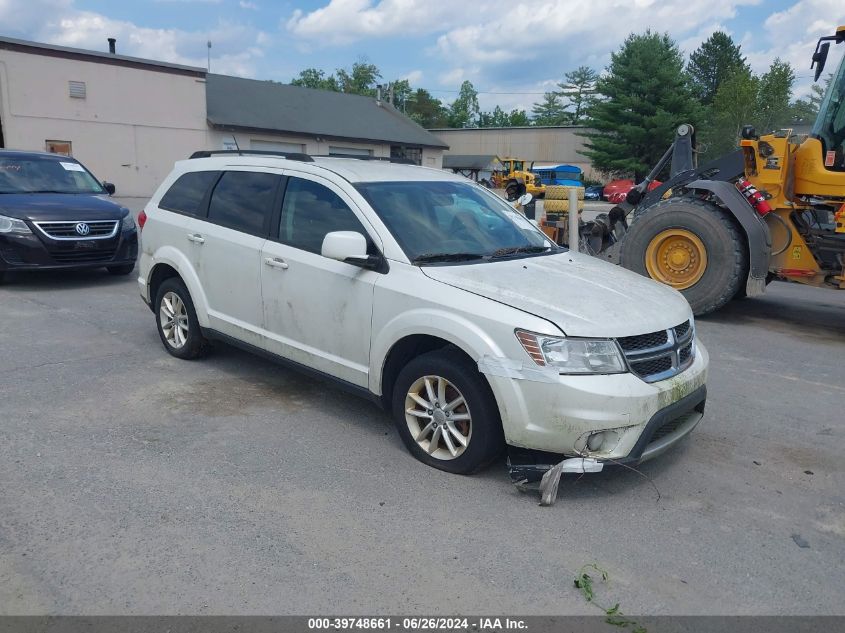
(54, 214)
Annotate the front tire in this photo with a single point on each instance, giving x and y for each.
(176, 320)
(691, 245)
(446, 414)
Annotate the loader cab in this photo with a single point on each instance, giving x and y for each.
(829, 127)
(820, 159)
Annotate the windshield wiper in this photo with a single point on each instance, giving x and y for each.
(513, 250)
(428, 258)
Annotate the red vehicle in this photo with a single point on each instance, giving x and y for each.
(616, 190)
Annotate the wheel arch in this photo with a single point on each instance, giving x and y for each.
(756, 232)
(171, 263)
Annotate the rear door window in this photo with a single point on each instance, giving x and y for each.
(243, 200)
(187, 194)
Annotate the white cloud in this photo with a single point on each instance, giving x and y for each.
(246, 4)
(793, 34)
(235, 47)
(414, 77)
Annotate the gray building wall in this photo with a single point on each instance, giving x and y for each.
(539, 144)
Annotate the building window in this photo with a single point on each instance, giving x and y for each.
(407, 152)
(76, 89)
(59, 147)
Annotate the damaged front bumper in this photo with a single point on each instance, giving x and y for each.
(666, 428)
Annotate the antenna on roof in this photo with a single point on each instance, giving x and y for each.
(234, 138)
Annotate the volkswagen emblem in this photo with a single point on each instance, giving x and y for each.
(83, 229)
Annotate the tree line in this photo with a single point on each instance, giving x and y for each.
(631, 110)
(566, 106)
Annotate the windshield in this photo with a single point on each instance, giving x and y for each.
(453, 221)
(32, 174)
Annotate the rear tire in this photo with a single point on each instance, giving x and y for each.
(121, 270)
(691, 245)
(468, 435)
(176, 320)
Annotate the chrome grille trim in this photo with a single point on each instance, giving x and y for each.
(66, 230)
(678, 352)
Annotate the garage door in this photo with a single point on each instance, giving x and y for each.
(275, 146)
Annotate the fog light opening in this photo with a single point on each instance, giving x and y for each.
(602, 441)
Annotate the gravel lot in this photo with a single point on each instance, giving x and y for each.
(134, 483)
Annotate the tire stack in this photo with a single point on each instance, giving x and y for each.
(557, 198)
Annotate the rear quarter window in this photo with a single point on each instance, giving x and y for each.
(187, 194)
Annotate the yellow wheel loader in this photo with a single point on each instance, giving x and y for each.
(773, 209)
(512, 174)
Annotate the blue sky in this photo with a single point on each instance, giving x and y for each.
(511, 50)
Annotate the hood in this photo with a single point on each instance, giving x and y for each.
(41, 207)
(582, 295)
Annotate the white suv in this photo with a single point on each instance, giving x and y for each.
(430, 294)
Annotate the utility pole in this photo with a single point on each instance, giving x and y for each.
(209, 56)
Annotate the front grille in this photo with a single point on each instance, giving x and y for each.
(83, 256)
(670, 427)
(96, 229)
(653, 366)
(660, 355)
(643, 341)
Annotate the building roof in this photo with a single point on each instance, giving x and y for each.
(468, 161)
(51, 50)
(266, 106)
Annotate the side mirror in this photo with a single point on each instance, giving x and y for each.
(109, 187)
(819, 59)
(349, 247)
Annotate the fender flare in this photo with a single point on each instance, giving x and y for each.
(758, 237)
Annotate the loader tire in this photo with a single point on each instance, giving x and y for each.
(691, 245)
(559, 206)
(561, 192)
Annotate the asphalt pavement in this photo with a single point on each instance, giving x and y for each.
(135, 483)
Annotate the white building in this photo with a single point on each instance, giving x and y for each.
(130, 119)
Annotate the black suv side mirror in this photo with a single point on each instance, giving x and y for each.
(109, 187)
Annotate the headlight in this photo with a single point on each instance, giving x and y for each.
(13, 225)
(128, 223)
(573, 355)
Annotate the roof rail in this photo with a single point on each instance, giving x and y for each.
(387, 159)
(206, 153)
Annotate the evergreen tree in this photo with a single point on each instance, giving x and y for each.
(464, 110)
(645, 97)
(550, 111)
(713, 62)
(579, 88)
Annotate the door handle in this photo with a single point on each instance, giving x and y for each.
(275, 262)
(196, 238)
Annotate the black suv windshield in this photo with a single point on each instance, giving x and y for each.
(438, 222)
(32, 174)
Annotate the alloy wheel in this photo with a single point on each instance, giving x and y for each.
(174, 320)
(438, 417)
